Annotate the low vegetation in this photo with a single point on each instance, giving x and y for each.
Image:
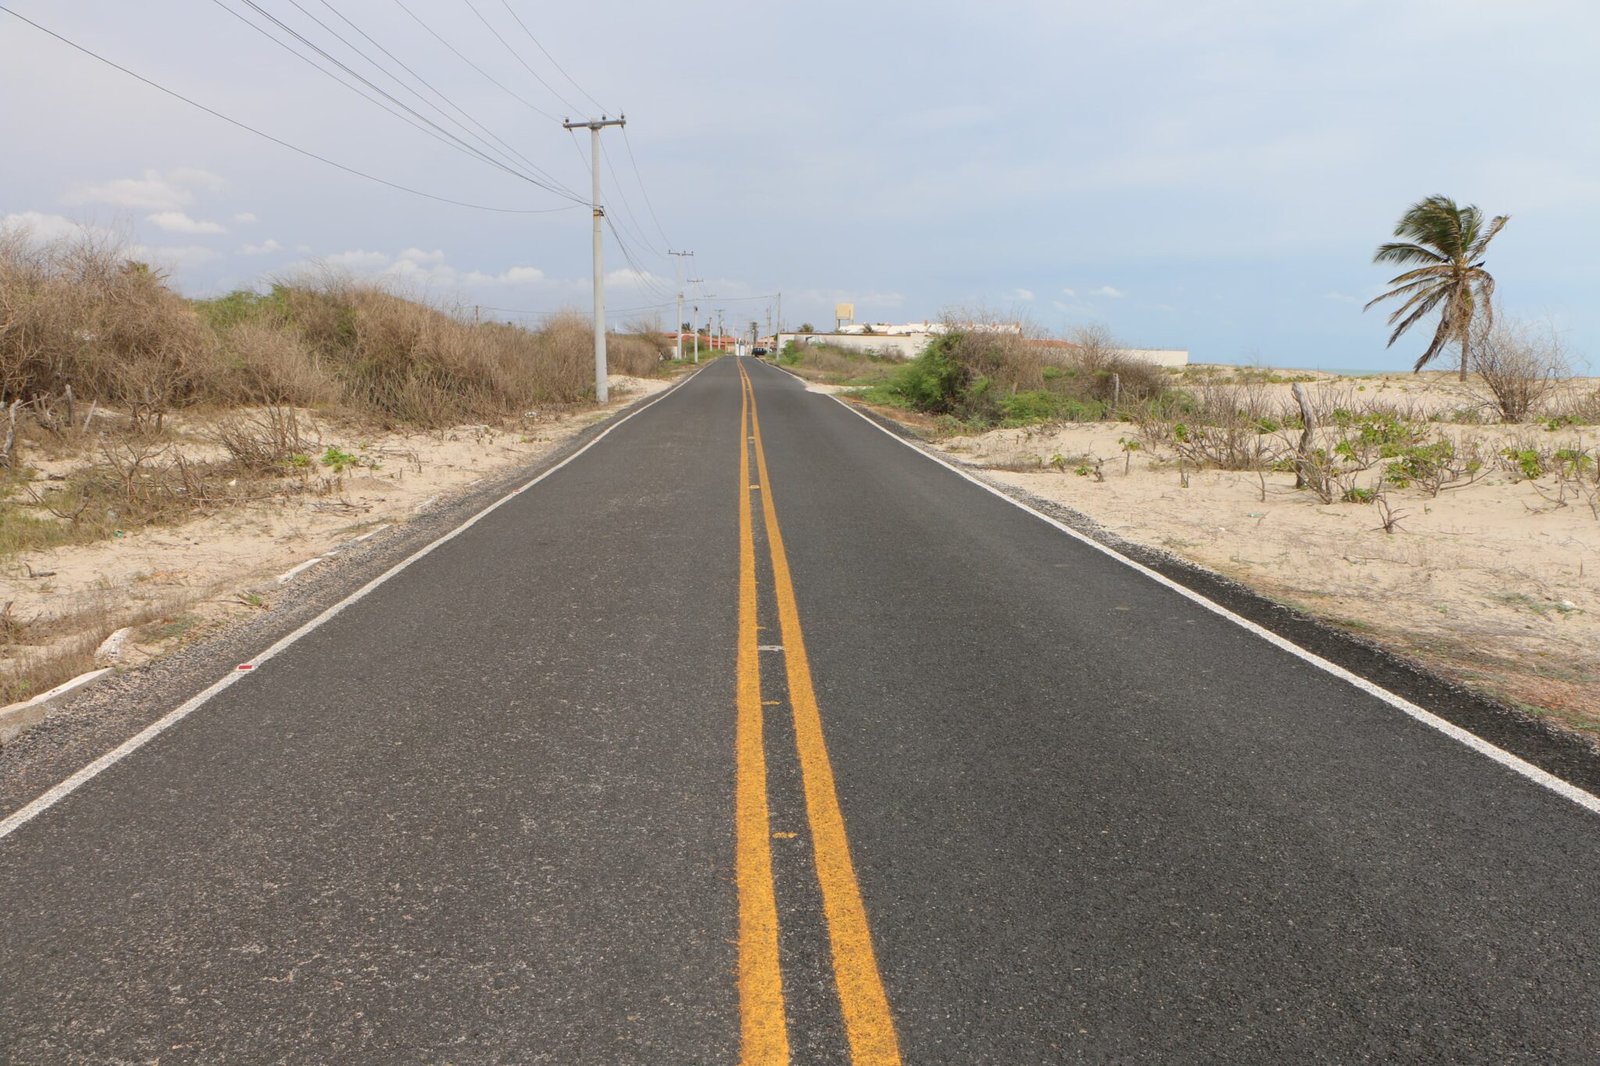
(125, 406)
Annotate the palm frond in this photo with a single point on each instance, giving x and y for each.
(1428, 305)
(1397, 252)
(1440, 339)
(1482, 243)
(1430, 296)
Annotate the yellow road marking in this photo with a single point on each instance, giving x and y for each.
(868, 1022)
(764, 1037)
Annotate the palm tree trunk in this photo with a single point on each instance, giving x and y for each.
(1464, 340)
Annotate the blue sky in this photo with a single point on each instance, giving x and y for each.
(1210, 175)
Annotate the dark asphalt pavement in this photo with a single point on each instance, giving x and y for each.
(486, 813)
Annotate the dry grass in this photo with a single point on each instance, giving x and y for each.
(80, 315)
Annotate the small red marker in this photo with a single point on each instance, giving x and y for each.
(247, 666)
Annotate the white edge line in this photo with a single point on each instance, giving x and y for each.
(1581, 797)
(25, 814)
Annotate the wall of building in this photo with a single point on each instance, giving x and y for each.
(904, 346)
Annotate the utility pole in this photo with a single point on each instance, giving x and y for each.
(595, 125)
(719, 329)
(677, 323)
(696, 321)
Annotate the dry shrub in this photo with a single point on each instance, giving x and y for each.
(1108, 373)
(632, 354)
(1519, 365)
(273, 364)
(79, 312)
(403, 362)
(268, 441)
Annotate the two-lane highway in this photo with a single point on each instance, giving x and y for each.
(753, 734)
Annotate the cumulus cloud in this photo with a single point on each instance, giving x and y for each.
(1070, 292)
(420, 266)
(153, 192)
(246, 218)
(266, 247)
(178, 222)
(1024, 295)
(1108, 292)
(45, 227)
(629, 276)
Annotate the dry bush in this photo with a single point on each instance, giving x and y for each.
(403, 362)
(273, 364)
(633, 354)
(1109, 374)
(1235, 426)
(270, 441)
(78, 312)
(996, 348)
(1519, 365)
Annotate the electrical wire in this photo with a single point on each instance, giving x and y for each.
(642, 190)
(277, 140)
(514, 54)
(429, 85)
(637, 232)
(550, 57)
(441, 133)
(645, 278)
(505, 151)
(525, 103)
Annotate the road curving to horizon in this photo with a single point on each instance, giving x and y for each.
(751, 734)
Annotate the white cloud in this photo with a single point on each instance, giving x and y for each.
(149, 193)
(178, 222)
(266, 247)
(629, 276)
(520, 275)
(1108, 292)
(246, 218)
(1070, 292)
(416, 265)
(45, 227)
(1024, 295)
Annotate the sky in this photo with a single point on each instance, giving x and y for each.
(1211, 174)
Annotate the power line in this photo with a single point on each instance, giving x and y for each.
(277, 140)
(431, 88)
(551, 58)
(530, 106)
(536, 76)
(637, 232)
(628, 144)
(505, 151)
(442, 133)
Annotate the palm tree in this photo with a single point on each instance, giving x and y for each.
(1445, 245)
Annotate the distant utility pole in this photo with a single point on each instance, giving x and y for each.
(719, 329)
(595, 125)
(677, 323)
(696, 322)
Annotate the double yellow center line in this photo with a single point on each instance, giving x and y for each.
(869, 1027)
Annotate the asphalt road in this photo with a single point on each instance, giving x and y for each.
(753, 732)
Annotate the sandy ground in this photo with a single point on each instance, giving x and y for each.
(171, 584)
(1495, 584)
